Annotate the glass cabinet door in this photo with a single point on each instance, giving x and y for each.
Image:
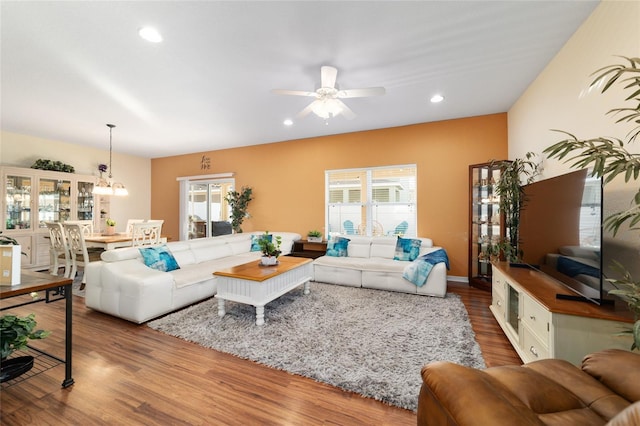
(84, 202)
(485, 223)
(54, 201)
(18, 202)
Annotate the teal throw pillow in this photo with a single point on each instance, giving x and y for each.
(407, 249)
(337, 247)
(255, 246)
(160, 258)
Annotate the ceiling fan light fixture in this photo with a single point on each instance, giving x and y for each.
(325, 108)
(437, 98)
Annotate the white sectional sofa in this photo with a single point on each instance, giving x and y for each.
(123, 286)
(369, 263)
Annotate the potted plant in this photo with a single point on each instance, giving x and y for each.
(15, 332)
(239, 203)
(111, 227)
(10, 250)
(513, 175)
(609, 158)
(270, 248)
(314, 236)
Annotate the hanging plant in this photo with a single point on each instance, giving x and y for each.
(239, 203)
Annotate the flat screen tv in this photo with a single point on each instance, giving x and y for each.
(561, 233)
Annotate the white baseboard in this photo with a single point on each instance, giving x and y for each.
(458, 279)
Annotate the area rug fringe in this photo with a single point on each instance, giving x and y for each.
(370, 342)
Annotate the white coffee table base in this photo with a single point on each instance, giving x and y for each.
(258, 294)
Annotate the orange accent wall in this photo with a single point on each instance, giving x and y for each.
(288, 177)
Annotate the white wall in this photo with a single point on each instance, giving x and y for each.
(134, 172)
(559, 99)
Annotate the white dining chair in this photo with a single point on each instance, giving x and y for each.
(130, 223)
(146, 233)
(85, 225)
(58, 249)
(80, 256)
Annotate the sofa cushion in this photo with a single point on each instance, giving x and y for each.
(384, 247)
(407, 249)
(359, 246)
(210, 248)
(159, 257)
(239, 243)
(337, 247)
(255, 241)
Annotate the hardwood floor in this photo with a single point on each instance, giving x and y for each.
(130, 374)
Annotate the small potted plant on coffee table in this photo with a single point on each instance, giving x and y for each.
(270, 248)
(314, 236)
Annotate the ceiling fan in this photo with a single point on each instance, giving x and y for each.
(327, 101)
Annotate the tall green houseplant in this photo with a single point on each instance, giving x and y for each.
(609, 158)
(509, 187)
(239, 203)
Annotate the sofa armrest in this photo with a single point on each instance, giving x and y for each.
(452, 394)
(616, 369)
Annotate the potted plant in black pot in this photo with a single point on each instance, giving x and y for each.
(270, 248)
(15, 332)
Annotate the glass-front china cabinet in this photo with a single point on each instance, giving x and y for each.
(32, 197)
(486, 225)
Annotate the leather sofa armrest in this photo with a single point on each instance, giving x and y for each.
(629, 416)
(616, 369)
(452, 394)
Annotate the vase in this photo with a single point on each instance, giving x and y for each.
(111, 230)
(314, 239)
(14, 367)
(269, 260)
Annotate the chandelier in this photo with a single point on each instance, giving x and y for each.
(106, 186)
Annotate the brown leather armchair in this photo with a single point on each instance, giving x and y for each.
(547, 392)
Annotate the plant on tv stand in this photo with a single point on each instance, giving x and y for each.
(609, 158)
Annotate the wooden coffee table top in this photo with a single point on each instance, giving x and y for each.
(253, 271)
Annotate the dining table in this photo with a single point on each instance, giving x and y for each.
(109, 242)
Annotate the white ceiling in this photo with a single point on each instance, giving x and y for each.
(68, 68)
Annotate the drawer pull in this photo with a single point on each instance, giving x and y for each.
(532, 317)
(533, 351)
(499, 303)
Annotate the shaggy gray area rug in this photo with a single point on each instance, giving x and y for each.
(370, 342)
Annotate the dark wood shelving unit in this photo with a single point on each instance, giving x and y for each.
(486, 224)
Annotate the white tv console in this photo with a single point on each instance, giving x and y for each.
(540, 326)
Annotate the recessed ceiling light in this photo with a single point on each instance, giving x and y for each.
(150, 34)
(288, 122)
(437, 98)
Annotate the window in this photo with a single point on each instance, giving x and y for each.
(374, 202)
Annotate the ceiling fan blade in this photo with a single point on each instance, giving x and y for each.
(328, 76)
(307, 110)
(293, 92)
(345, 110)
(361, 93)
